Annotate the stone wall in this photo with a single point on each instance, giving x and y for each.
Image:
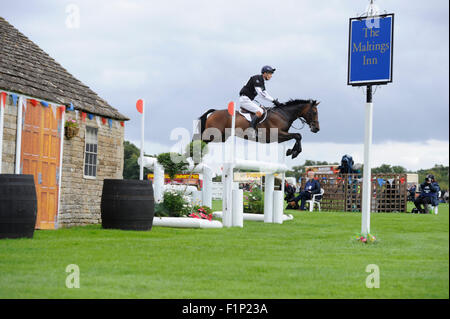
(9, 138)
(80, 196)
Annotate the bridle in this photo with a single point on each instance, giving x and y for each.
(304, 121)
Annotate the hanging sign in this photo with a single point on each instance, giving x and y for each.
(370, 51)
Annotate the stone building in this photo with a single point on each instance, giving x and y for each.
(40, 97)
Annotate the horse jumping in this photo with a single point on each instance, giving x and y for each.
(279, 117)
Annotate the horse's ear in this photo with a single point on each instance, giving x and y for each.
(317, 103)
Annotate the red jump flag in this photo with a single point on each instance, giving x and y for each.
(231, 108)
(140, 106)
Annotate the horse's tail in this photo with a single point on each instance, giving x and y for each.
(203, 121)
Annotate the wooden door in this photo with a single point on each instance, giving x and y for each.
(40, 156)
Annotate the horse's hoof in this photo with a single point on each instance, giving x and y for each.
(288, 152)
(295, 154)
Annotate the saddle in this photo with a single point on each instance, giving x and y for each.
(248, 114)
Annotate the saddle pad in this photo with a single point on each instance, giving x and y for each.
(248, 115)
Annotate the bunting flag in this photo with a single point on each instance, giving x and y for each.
(55, 108)
(14, 99)
(3, 98)
(33, 102)
(402, 180)
(381, 181)
(390, 180)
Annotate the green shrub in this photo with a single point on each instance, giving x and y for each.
(172, 167)
(254, 200)
(175, 204)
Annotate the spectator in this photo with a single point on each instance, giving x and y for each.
(429, 190)
(289, 191)
(412, 193)
(312, 187)
(438, 191)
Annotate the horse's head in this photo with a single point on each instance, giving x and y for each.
(311, 115)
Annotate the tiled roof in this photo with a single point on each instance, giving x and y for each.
(26, 69)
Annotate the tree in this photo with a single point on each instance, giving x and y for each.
(130, 161)
(388, 169)
(440, 173)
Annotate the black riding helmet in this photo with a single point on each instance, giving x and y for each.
(268, 69)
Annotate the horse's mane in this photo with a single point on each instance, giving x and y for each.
(294, 102)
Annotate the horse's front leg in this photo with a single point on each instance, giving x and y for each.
(297, 149)
(285, 136)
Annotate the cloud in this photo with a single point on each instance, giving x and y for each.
(184, 57)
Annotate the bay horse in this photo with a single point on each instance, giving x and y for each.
(280, 117)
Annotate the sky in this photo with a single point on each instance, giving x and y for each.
(184, 57)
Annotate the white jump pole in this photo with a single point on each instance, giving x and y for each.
(158, 176)
(367, 185)
(238, 208)
(207, 186)
(268, 198)
(227, 201)
(227, 175)
(141, 168)
(278, 207)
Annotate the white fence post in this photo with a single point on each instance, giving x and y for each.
(268, 198)
(238, 208)
(278, 207)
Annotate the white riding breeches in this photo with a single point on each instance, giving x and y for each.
(249, 105)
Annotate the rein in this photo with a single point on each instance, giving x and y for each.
(283, 114)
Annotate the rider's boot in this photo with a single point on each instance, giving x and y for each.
(253, 123)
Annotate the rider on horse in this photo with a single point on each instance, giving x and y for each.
(255, 87)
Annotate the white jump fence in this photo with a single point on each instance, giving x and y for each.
(232, 197)
(203, 197)
(232, 200)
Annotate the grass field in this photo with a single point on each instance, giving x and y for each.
(312, 256)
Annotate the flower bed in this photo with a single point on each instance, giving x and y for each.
(176, 210)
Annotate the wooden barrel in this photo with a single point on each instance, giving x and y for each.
(18, 206)
(127, 204)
